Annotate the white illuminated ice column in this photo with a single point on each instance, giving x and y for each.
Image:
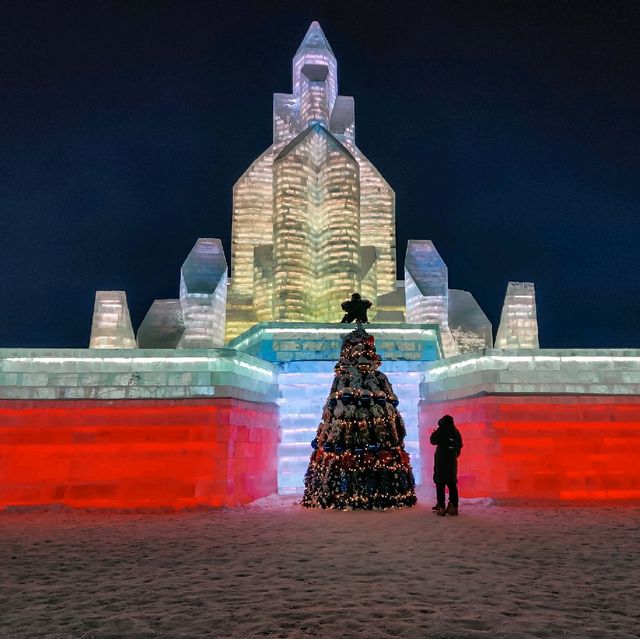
(316, 231)
(519, 320)
(203, 295)
(426, 290)
(111, 325)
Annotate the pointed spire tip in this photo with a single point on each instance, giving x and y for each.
(314, 39)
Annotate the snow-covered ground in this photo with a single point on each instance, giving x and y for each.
(274, 569)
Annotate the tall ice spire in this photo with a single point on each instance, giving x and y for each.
(315, 77)
(314, 40)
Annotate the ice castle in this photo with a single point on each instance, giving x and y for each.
(216, 397)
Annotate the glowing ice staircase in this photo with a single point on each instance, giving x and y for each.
(304, 387)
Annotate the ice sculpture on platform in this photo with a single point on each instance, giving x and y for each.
(111, 325)
(426, 290)
(519, 320)
(313, 220)
(163, 325)
(469, 325)
(203, 295)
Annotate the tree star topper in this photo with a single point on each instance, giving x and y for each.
(355, 310)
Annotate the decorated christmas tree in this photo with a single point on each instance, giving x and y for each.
(359, 459)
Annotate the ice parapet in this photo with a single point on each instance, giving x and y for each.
(163, 325)
(469, 325)
(426, 290)
(111, 325)
(311, 186)
(519, 320)
(203, 295)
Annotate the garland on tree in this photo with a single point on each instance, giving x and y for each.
(358, 458)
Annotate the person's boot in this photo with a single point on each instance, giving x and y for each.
(452, 510)
(434, 508)
(441, 511)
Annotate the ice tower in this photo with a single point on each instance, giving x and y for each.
(313, 220)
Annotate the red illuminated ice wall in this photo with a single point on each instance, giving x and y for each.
(137, 453)
(551, 447)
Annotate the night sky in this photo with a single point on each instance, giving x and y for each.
(509, 131)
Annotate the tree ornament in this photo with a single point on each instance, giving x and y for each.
(346, 395)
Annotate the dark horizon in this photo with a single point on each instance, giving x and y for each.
(509, 133)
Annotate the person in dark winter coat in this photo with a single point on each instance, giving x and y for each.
(448, 442)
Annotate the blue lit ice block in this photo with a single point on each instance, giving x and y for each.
(302, 341)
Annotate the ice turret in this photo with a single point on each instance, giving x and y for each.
(203, 295)
(519, 320)
(426, 290)
(111, 325)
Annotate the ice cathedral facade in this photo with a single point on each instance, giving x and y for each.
(217, 396)
(313, 221)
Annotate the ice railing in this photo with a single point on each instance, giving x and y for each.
(135, 374)
(538, 371)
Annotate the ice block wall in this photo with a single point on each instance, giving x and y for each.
(545, 425)
(304, 387)
(111, 325)
(136, 429)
